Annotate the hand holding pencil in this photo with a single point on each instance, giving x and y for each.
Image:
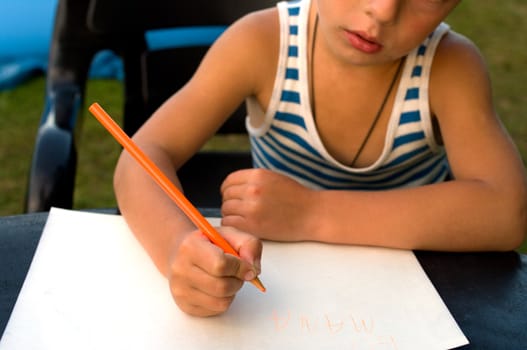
(172, 191)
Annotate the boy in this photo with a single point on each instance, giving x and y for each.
(353, 108)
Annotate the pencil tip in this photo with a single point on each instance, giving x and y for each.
(258, 284)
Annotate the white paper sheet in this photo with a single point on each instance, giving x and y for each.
(92, 286)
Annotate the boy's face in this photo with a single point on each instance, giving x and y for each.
(378, 31)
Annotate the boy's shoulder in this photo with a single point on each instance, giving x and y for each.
(257, 33)
(456, 50)
(458, 70)
(261, 20)
(456, 58)
(256, 30)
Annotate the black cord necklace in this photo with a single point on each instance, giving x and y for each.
(377, 116)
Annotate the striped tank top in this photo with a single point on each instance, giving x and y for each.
(285, 139)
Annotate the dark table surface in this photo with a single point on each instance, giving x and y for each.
(485, 292)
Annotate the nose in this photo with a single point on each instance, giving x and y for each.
(383, 11)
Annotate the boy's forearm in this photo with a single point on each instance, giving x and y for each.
(151, 215)
(451, 216)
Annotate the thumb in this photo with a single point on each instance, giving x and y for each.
(249, 249)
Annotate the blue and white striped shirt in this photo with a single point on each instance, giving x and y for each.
(285, 139)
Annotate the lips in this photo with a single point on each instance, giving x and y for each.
(363, 43)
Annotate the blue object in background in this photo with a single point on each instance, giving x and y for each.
(25, 34)
(160, 39)
(26, 28)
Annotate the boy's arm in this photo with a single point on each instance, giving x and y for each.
(184, 123)
(483, 208)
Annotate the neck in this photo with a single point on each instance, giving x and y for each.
(393, 69)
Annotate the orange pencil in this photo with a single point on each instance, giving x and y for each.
(172, 191)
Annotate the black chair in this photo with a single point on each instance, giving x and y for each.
(85, 27)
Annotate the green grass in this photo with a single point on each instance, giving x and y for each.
(20, 111)
(497, 27)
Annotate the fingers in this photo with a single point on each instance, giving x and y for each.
(203, 294)
(204, 280)
(235, 178)
(201, 287)
(203, 307)
(239, 199)
(213, 261)
(234, 210)
(249, 249)
(245, 185)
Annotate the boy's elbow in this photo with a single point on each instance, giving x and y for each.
(521, 231)
(517, 226)
(514, 240)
